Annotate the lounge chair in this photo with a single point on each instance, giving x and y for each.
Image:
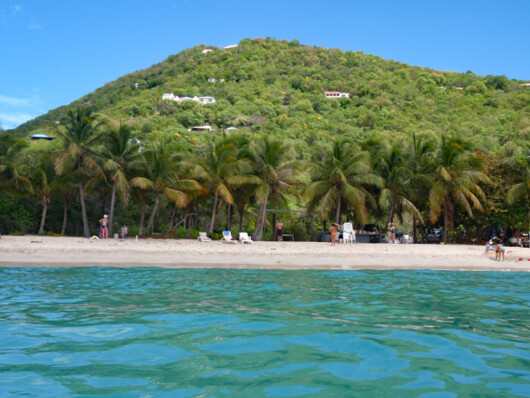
(348, 234)
(227, 237)
(406, 239)
(203, 237)
(244, 238)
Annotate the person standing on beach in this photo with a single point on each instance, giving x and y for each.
(279, 228)
(103, 231)
(333, 231)
(392, 233)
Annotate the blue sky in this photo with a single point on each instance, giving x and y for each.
(53, 52)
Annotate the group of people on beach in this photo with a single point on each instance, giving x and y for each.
(496, 246)
(337, 233)
(104, 230)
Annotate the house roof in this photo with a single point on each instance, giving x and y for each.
(41, 137)
(332, 92)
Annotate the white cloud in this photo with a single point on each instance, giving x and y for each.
(15, 101)
(33, 24)
(12, 120)
(15, 9)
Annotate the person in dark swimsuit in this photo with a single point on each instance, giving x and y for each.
(279, 228)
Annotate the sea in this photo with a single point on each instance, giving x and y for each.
(152, 332)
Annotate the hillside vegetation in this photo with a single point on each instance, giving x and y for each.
(278, 87)
(419, 147)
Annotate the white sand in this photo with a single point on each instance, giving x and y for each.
(44, 251)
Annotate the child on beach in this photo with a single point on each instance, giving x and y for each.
(499, 251)
(333, 231)
(124, 232)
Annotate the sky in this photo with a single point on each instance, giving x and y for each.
(54, 52)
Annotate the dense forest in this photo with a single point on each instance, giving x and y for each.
(413, 145)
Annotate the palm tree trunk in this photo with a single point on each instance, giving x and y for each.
(43, 216)
(172, 221)
(337, 215)
(258, 222)
(151, 221)
(446, 218)
(188, 234)
(241, 210)
(142, 217)
(65, 217)
(390, 214)
(414, 229)
(262, 223)
(111, 212)
(86, 230)
(214, 209)
(229, 217)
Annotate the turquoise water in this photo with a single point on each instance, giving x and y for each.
(256, 333)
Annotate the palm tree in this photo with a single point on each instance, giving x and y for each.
(456, 181)
(13, 170)
(222, 170)
(78, 157)
(120, 156)
(276, 175)
(521, 190)
(394, 166)
(421, 165)
(341, 176)
(163, 170)
(43, 174)
(64, 186)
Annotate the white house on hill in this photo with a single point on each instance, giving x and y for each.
(201, 100)
(336, 94)
(200, 128)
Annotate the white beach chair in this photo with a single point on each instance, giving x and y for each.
(203, 237)
(406, 239)
(227, 237)
(348, 233)
(244, 238)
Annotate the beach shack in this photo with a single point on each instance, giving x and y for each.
(37, 137)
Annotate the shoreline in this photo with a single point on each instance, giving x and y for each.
(46, 251)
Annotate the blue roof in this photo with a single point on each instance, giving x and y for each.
(43, 136)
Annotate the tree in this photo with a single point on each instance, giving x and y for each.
(276, 175)
(163, 170)
(222, 170)
(520, 191)
(42, 176)
(395, 168)
(456, 180)
(13, 171)
(421, 165)
(121, 155)
(341, 176)
(79, 137)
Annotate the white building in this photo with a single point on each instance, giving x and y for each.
(336, 94)
(207, 50)
(201, 100)
(230, 46)
(212, 79)
(205, 100)
(200, 128)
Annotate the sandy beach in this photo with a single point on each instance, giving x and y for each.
(44, 251)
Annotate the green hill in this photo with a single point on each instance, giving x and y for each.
(278, 87)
